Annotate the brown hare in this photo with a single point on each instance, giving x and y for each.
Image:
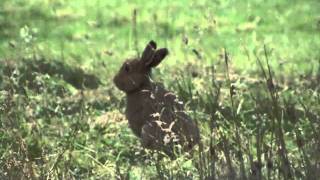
(154, 114)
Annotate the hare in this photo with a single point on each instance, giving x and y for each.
(155, 115)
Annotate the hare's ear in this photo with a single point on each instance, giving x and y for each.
(159, 55)
(149, 51)
(153, 44)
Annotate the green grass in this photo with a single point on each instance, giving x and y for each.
(51, 127)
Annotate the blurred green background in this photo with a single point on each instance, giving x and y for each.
(92, 32)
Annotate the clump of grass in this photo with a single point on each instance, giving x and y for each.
(248, 137)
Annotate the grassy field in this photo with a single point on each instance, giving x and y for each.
(248, 71)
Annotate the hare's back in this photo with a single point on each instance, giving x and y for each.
(167, 98)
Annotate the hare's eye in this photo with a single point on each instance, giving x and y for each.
(126, 67)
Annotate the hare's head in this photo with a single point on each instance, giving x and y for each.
(134, 73)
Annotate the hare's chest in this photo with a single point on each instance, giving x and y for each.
(138, 113)
(135, 119)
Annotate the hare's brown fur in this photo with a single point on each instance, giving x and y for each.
(154, 114)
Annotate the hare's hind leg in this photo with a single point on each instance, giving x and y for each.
(153, 137)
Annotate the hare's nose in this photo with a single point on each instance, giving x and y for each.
(115, 79)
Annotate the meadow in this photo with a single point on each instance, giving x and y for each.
(248, 72)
